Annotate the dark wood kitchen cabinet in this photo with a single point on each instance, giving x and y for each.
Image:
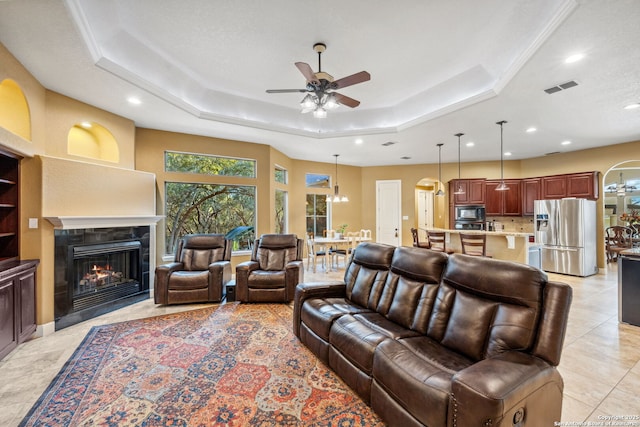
(474, 191)
(17, 303)
(581, 185)
(531, 191)
(503, 203)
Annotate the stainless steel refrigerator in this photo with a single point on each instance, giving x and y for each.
(566, 231)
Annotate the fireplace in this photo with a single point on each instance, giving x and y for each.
(99, 270)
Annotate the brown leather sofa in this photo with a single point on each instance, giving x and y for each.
(430, 339)
(199, 273)
(274, 270)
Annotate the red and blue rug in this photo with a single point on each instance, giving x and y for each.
(228, 365)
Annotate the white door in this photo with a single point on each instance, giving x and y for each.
(388, 209)
(425, 212)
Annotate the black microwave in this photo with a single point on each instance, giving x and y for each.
(470, 213)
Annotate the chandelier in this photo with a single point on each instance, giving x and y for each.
(337, 198)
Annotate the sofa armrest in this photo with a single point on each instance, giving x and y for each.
(220, 272)
(305, 291)
(242, 279)
(510, 386)
(161, 281)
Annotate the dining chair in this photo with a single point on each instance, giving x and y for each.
(416, 240)
(437, 241)
(365, 234)
(313, 253)
(474, 244)
(617, 239)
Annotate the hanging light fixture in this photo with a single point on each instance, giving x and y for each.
(621, 188)
(440, 192)
(337, 198)
(459, 190)
(502, 186)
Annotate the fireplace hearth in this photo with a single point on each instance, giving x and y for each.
(99, 270)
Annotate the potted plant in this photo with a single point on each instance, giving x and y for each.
(341, 230)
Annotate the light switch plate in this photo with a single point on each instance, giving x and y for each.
(33, 222)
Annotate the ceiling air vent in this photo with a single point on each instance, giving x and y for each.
(560, 87)
(405, 158)
(552, 153)
(388, 143)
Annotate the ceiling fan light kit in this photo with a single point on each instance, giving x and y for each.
(321, 86)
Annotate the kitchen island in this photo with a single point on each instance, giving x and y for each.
(505, 245)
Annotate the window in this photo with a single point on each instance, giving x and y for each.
(317, 215)
(281, 212)
(280, 175)
(210, 208)
(314, 180)
(208, 165)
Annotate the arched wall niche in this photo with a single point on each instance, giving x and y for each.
(94, 141)
(15, 115)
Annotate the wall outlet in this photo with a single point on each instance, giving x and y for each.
(33, 222)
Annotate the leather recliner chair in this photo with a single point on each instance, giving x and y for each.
(199, 273)
(274, 271)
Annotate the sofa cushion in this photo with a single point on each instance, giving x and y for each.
(417, 372)
(367, 272)
(318, 314)
(379, 323)
(355, 341)
(485, 307)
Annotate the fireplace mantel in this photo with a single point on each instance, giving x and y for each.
(79, 222)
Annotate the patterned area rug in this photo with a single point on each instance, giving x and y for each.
(228, 365)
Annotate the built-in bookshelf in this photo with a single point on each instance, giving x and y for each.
(9, 216)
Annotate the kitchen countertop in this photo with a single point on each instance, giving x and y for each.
(488, 233)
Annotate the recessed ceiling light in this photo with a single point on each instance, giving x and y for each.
(632, 106)
(85, 125)
(471, 144)
(566, 142)
(133, 100)
(531, 129)
(507, 153)
(574, 58)
(359, 141)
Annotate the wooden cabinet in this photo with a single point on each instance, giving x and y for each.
(474, 191)
(503, 203)
(17, 303)
(531, 191)
(582, 185)
(9, 217)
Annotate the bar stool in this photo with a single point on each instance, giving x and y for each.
(474, 244)
(437, 241)
(416, 241)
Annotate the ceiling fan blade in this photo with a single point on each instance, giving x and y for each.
(307, 72)
(286, 90)
(353, 79)
(345, 100)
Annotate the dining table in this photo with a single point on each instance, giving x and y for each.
(331, 243)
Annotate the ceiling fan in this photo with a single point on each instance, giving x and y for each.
(321, 86)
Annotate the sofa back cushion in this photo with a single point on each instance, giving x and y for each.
(366, 273)
(197, 251)
(485, 306)
(274, 251)
(411, 287)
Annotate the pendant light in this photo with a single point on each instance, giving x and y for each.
(621, 188)
(502, 186)
(440, 192)
(337, 198)
(459, 190)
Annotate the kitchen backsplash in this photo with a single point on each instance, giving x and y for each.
(520, 224)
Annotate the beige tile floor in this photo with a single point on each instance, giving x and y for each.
(600, 362)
